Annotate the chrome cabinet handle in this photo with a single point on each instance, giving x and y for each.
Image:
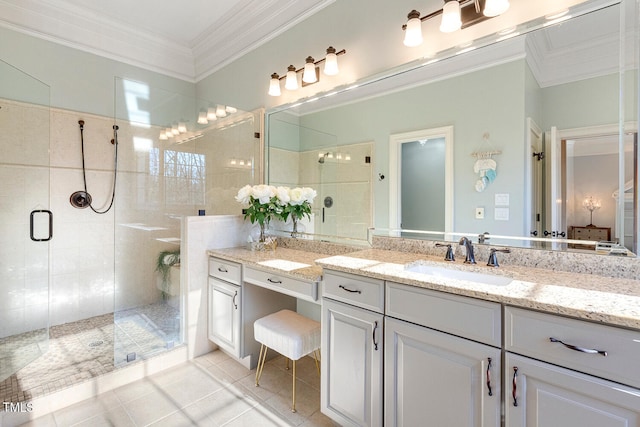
(514, 390)
(580, 349)
(375, 327)
(222, 270)
(489, 376)
(234, 300)
(356, 291)
(274, 281)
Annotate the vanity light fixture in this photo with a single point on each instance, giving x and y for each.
(456, 14)
(179, 132)
(310, 72)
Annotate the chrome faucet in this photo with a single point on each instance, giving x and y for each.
(470, 258)
(493, 259)
(449, 255)
(483, 237)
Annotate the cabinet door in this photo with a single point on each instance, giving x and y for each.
(447, 380)
(548, 395)
(351, 374)
(224, 315)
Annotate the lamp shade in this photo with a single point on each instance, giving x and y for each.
(309, 74)
(413, 32)
(202, 118)
(451, 20)
(331, 62)
(291, 83)
(495, 7)
(221, 111)
(274, 85)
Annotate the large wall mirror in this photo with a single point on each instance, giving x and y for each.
(543, 146)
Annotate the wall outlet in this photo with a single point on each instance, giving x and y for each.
(479, 213)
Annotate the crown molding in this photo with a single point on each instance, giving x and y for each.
(249, 24)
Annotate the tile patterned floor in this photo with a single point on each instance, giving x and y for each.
(212, 390)
(85, 349)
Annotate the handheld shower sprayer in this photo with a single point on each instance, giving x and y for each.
(82, 199)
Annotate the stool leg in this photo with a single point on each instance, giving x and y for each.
(261, 359)
(316, 356)
(293, 408)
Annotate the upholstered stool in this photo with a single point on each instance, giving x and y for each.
(291, 335)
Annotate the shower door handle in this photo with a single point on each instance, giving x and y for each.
(33, 213)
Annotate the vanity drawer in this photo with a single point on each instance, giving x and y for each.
(361, 291)
(225, 270)
(528, 333)
(462, 316)
(305, 290)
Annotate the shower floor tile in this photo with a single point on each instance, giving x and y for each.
(84, 349)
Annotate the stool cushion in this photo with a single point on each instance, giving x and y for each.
(288, 333)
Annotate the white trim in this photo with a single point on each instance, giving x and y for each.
(395, 145)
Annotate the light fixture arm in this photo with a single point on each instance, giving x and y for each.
(439, 11)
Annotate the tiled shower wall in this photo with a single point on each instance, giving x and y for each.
(101, 263)
(347, 180)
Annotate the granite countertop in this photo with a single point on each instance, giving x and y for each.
(585, 296)
(293, 262)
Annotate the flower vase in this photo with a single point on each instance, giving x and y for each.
(297, 229)
(260, 240)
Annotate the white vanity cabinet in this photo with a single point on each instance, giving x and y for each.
(238, 296)
(431, 376)
(568, 372)
(225, 305)
(352, 349)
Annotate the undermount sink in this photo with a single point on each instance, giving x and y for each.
(449, 273)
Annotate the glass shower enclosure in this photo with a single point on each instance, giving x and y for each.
(26, 221)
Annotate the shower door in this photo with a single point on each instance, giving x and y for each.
(25, 220)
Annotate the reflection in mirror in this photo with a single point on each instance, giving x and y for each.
(341, 175)
(564, 76)
(420, 181)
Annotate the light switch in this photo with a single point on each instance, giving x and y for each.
(502, 199)
(501, 214)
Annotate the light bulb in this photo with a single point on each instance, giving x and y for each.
(309, 74)
(451, 20)
(274, 85)
(413, 33)
(291, 82)
(495, 7)
(331, 62)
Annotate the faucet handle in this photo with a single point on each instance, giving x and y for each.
(493, 259)
(449, 255)
(483, 237)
